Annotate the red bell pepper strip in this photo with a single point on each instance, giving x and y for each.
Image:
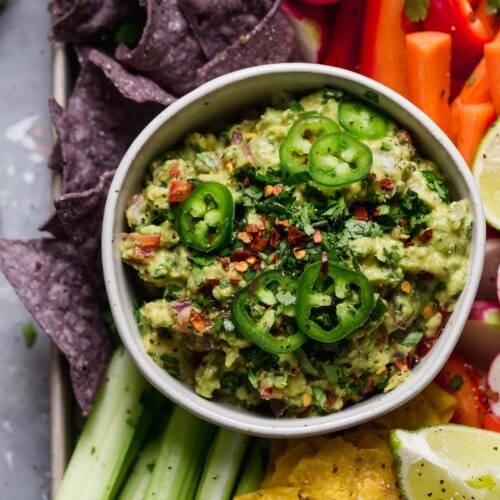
(461, 380)
(491, 422)
(383, 52)
(457, 18)
(345, 40)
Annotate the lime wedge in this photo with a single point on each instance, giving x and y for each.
(486, 170)
(445, 462)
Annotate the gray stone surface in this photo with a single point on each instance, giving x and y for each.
(25, 202)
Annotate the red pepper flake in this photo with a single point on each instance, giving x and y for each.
(246, 181)
(254, 229)
(387, 184)
(274, 238)
(278, 190)
(258, 244)
(224, 262)
(241, 255)
(409, 244)
(174, 170)
(296, 238)
(360, 213)
(369, 386)
(209, 285)
(196, 319)
(426, 236)
(235, 279)
(274, 258)
(330, 397)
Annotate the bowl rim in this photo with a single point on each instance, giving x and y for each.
(231, 417)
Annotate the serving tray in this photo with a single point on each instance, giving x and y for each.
(480, 350)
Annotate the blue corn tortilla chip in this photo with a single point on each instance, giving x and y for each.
(84, 20)
(48, 277)
(271, 41)
(80, 217)
(106, 111)
(167, 51)
(219, 23)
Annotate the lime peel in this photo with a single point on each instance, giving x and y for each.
(486, 170)
(447, 461)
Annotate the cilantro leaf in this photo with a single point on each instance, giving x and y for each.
(296, 106)
(355, 229)
(437, 184)
(416, 10)
(413, 338)
(335, 208)
(30, 334)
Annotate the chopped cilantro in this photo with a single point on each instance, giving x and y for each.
(412, 338)
(414, 210)
(335, 208)
(170, 364)
(319, 396)
(333, 373)
(355, 229)
(296, 106)
(437, 184)
(202, 260)
(456, 383)
(197, 274)
(416, 10)
(29, 333)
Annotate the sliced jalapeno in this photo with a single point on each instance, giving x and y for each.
(205, 219)
(362, 120)
(332, 301)
(294, 150)
(263, 313)
(337, 159)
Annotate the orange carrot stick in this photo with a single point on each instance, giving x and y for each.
(455, 111)
(492, 59)
(473, 122)
(428, 56)
(477, 88)
(383, 54)
(489, 21)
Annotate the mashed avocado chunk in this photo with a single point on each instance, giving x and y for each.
(327, 188)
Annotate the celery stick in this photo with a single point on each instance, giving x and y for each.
(156, 408)
(138, 481)
(107, 434)
(222, 465)
(255, 467)
(178, 467)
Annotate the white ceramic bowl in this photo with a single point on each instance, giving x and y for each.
(203, 108)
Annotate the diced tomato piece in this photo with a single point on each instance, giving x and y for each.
(179, 190)
(145, 240)
(274, 238)
(387, 184)
(463, 381)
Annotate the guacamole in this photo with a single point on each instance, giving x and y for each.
(298, 261)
